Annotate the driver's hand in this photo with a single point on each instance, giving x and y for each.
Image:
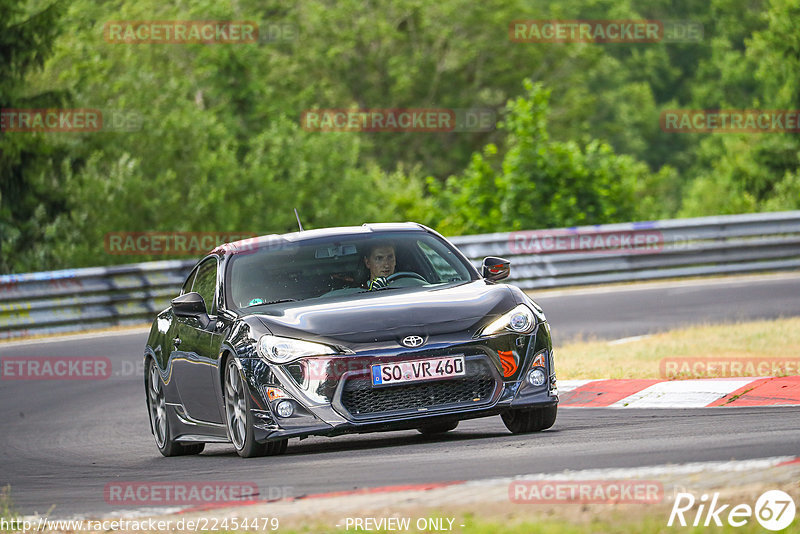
(377, 283)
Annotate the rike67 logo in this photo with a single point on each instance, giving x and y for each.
(774, 510)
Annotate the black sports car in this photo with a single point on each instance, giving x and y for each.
(340, 330)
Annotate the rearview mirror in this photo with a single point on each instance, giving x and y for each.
(335, 251)
(495, 269)
(191, 305)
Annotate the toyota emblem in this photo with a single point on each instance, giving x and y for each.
(412, 341)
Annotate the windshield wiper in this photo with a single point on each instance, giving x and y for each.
(279, 301)
(271, 302)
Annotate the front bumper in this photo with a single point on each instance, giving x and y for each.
(333, 396)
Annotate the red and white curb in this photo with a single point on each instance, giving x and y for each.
(698, 476)
(701, 393)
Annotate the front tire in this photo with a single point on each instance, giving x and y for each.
(522, 421)
(159, 420)
(239, 419)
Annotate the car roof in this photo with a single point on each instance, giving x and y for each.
(265, 240)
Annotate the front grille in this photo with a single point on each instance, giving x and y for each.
(360, 399)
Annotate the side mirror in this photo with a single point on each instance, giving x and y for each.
(495, 269)
(191, 305)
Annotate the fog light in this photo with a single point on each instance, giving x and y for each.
(285, 409)
(536, 377)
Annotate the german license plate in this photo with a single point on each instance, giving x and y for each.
(432, 369)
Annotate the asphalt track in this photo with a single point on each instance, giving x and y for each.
(62, 441)
(617, 312)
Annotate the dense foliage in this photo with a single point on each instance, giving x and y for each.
(218, 143)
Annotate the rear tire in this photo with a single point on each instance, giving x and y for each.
(522, 421)
(239, 419)
(159, 420)
(438, 428)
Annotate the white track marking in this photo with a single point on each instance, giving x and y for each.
(683, 393)
(756, 464)
(623, 340)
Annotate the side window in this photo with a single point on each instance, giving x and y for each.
(187, 286)
(205, 283)
(444, 270)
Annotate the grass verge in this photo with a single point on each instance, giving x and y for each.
(76, 333)
(640, 358)
(616, 525)
(8, 516)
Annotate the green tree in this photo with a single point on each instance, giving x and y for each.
(539, 183)
(30, 195)
(221, 148)
(754, 172)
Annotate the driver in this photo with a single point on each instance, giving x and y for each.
(380, 262)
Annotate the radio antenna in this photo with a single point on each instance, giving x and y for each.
(298, 220)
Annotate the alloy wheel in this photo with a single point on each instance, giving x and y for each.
(158, 405)
(235, 406)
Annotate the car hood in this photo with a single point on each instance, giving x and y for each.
(392, 314)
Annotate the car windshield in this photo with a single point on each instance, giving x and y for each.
(337, 266)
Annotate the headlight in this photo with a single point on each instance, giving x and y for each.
(278, 349)
(520, 320)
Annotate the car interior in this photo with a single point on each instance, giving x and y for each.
(328, 270)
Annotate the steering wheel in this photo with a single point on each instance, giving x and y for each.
(405, 274)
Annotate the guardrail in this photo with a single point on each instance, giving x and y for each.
(674, 248)
(77, 299)
(80, 299)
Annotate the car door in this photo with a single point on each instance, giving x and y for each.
(197, 351)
